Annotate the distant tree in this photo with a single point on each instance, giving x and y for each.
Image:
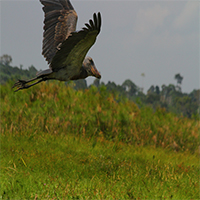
(102, 83)
(185, 106)
(151, 90)
(167, 93)
(32, 70)
(130, 87)
(195, 96)
(96, 82)
(111, 86)
(157, 89)
(152, 96)
(179, 79)
(80, 84)
(5, 59)
(143, 75)
(153, 99)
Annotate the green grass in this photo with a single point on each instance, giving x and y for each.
(57, 143)
(62, 167)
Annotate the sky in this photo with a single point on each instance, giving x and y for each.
(157, 38)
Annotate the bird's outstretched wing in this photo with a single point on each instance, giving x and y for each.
(73, 50)
(60, 20)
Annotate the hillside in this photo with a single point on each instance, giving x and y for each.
(96, 112)
(60, 143)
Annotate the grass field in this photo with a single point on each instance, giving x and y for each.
(58, 143)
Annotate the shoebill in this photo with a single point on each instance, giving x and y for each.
(63, 47)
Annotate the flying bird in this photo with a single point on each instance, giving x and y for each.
(64, 48)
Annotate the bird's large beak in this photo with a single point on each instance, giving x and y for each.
(95, 73)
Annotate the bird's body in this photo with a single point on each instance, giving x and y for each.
(63, 47)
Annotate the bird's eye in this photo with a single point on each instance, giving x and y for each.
(91, 61)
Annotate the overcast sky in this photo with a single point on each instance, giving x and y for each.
(158, 38)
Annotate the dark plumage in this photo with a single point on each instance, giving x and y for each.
(63, 47)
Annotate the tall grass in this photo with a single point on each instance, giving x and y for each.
(58, 143)
(57, 109)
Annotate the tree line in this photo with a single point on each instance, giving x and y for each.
(169, 97)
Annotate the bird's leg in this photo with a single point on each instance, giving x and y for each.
(22, 84)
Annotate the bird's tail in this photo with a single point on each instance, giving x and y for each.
(40, 76)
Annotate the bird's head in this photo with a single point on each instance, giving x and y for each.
(89, 66)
